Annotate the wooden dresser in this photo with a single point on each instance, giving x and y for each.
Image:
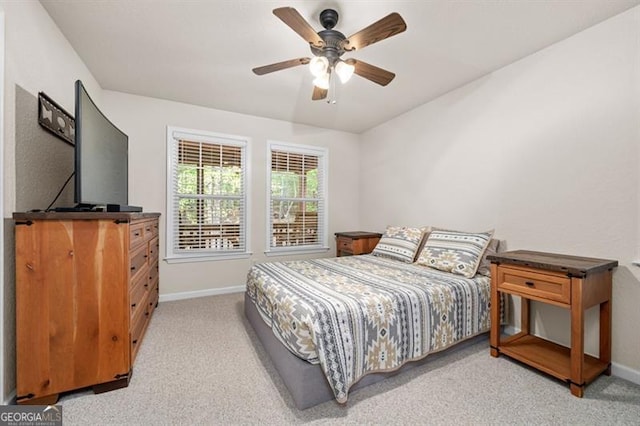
(570, 282)
(86, 288)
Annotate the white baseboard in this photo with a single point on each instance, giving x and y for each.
(625, 372)
(201, 293)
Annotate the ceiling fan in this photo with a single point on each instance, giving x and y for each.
(328, 45)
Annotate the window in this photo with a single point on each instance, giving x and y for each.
(297, 198)
(207, 203)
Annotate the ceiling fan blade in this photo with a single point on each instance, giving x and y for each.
(266, 69)
(386, 27)
(318, 93)
(293, 19)
(371, 72)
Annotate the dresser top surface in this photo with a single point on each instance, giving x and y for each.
(573, 265)
(83, 216)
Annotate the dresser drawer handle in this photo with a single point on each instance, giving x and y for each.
(135, 341)
(136, 234)
(133, 268)
(133, 305)
(530, 283)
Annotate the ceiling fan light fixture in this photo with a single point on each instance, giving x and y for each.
(318, 66)
(322, 82)
(344, 71)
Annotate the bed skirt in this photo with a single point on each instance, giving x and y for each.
(306, 382)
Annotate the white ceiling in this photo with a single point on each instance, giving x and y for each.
(201, 52)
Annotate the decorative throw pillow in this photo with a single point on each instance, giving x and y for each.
(456, 252)
(485, 264)
(399, 243)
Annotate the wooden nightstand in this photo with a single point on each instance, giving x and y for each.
(353, 243)
(570, 282)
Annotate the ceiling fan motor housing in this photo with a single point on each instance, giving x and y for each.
(333, 45)
(333, 40)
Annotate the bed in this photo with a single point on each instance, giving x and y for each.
(334, 325)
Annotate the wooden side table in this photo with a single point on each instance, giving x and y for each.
(570, 282)
(354, 243)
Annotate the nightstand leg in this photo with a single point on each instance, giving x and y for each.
(577, 390)
(525, 304)
(577, 338)
(605, 326)
(494, 334)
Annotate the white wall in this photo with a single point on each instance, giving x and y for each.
(545, 150)
(37, 58)
(145, 121)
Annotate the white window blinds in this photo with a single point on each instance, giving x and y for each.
(297, 198)
(208, 195)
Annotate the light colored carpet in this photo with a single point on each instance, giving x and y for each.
(201, 363)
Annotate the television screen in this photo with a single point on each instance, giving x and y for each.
(101, 155)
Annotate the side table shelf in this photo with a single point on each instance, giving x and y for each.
(570, 282)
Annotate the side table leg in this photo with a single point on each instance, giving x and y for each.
(577, 338)
(577, 390)
(605, 325)
(494, 334)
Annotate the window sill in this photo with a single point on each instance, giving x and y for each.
(291, 251)
(207, 257)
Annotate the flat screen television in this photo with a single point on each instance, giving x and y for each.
(101, 158)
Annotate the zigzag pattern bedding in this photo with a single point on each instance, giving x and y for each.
(362, 314)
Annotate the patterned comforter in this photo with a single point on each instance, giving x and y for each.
(361, 314)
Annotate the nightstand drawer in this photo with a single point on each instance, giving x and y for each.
(535, 285)
(354, 243)
(345, 244)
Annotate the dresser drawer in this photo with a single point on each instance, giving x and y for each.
(137, 330)
(153, 298)
(154, 247)
(138, 261)
(148, 230)
(535, 285)
(154, 228)
(137, 295)
(153, 274)
(136, 234)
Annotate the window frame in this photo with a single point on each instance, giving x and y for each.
(176, 256)
(323, 217)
